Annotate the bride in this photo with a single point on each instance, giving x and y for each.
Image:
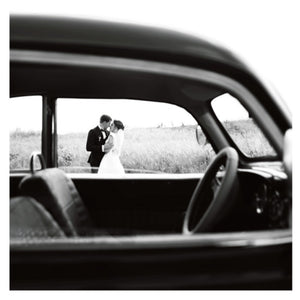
(111, 163)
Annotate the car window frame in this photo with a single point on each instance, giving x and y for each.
(237, 89)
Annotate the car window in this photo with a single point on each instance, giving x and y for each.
(25, 127)
(241, 127)
(158, 137)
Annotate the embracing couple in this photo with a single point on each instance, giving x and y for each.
(105, 142)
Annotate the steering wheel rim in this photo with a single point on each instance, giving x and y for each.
(202, 215)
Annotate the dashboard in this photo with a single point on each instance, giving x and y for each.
(265, 195)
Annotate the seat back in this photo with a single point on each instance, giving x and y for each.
(58, 194)
(29, 219)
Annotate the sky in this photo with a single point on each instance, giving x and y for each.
(263, 33)
(80, 115)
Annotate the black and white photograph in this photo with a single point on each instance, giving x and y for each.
(150, 145)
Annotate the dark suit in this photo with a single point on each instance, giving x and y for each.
(95, 140)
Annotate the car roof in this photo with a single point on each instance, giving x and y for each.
(71, 35)
(116, 39)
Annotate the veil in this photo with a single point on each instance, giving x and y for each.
(119, 139)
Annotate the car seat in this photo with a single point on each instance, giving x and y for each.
(29, 219)
(58, 194)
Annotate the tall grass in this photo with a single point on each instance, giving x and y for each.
(249, 138)
(22, 144)
(171, 150)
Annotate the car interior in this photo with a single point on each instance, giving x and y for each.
(237, 192)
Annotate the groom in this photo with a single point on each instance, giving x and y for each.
(96, 142)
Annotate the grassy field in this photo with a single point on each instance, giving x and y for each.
(172, 150)
(22, 144)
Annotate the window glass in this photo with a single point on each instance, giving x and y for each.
(241, 127)
(158, 137)
(25, 127)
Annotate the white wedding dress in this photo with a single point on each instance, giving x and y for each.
(111, 163)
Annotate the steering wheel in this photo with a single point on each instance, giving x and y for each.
(213, 197)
